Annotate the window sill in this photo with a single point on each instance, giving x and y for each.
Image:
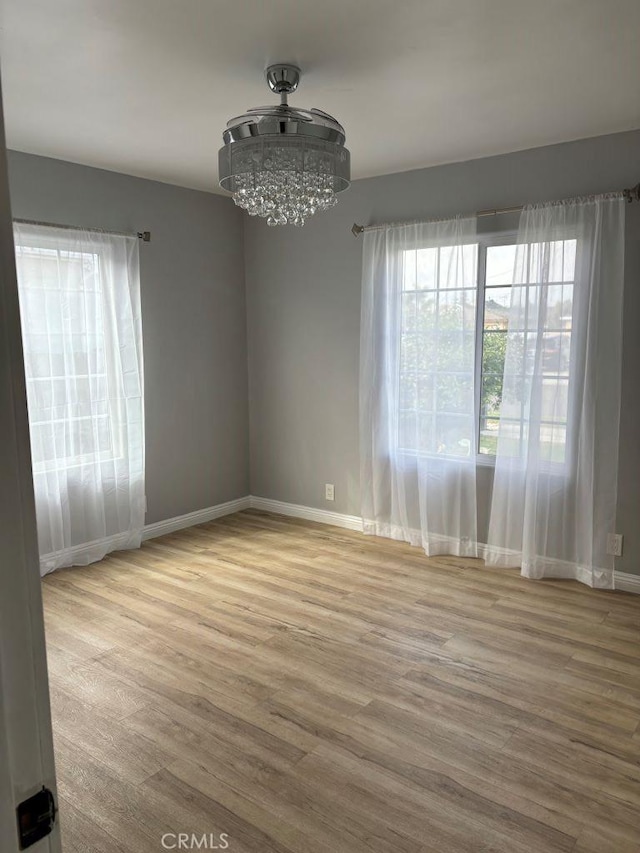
(408, 457)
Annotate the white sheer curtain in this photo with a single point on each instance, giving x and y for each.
(82, 337)
(554, 493)
(417, 396)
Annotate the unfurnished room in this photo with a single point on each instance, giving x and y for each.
(320, 426)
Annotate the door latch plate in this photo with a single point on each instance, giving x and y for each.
(36, 817)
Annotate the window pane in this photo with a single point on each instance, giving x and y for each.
(427, 392)
(78, 392)
(42, 441)
(409, 312)
(491, 395)
(489, 436)
(533, 295)
(426, 439)
(104, 438)
(515, 391)
(555, 261)
(510, 438)
(546, 261)
(536, 264)
(554, 400)
(453, 435)
(409, 271)
(427, 311)
(569, 268)
(408, 391)
(496, 307)
(496, 433)
(407, 429)
(494, 348)
(427, 352)
(454, 392)
(457, 309)
(455, 351)
(553, 442)
(426, 268)
(409, 353)
(501, 265)
(458, 266)
(555, 353)
(42, 362)
(559, 308)
(565, 354)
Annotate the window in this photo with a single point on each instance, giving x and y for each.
(82, 340)
(62, 305)
(454, 338)
(438, 317)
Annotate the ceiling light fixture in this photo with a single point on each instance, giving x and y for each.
(283, 163)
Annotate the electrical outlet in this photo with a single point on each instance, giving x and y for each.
(614, 544)
(329, 492)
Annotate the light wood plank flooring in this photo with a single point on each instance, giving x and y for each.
(305, 689)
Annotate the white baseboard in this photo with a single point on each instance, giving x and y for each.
(324, 516)
(626, 582)
(190, 519)
(622, 580)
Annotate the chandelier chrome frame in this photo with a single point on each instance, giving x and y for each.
(284, 163)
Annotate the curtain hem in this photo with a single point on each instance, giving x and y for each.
(540, 567)
(537, 568)
(433, 544)
(89, 552)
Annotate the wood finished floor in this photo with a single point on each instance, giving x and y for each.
(306, 689)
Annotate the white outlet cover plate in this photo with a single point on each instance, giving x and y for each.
(614, 544)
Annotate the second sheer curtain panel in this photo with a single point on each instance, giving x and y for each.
(555, 493)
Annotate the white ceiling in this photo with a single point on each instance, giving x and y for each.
(145, 87)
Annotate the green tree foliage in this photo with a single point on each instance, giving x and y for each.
(494, 349)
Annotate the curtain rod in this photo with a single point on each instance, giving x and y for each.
(145, 236)
(631, 194)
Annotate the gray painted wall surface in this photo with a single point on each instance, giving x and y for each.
(303, 310)
(193, 318)
(303, 316)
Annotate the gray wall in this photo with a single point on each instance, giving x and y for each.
(193, 317)
(303, 316)
(303, 312)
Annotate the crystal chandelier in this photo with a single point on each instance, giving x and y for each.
(282, 163)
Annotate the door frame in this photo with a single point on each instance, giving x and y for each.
(26, 741)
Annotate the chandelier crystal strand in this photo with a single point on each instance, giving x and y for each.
(284, 164)
(283, 197)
